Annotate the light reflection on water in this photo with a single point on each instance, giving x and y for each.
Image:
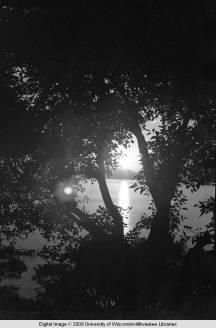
(124, 197)
(124, 202)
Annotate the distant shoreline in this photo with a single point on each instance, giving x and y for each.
(123, 174)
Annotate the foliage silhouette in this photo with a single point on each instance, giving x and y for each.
(78, 81)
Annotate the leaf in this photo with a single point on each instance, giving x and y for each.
(187, 227)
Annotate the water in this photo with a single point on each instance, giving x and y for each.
(122, 196)
(125, 197)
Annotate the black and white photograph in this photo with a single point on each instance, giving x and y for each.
(107, 160)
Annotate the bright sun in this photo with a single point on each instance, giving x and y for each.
(124, 163)
(68, 190)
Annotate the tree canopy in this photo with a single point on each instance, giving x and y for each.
(78, 81)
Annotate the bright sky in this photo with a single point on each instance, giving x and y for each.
(131, 160)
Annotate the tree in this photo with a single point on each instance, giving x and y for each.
(78, 82)
(142, 85)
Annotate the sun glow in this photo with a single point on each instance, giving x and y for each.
(125, 163)
(67, 190)
(129, 159)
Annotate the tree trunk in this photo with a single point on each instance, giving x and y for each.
(159, 281)
(112, 209)
(159, 237)
(147, 162)
(159, 273)
(118, 231)
(162, 195)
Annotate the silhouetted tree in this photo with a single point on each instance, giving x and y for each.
(84, 81)
(145, 85)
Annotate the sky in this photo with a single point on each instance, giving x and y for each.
(131, 159)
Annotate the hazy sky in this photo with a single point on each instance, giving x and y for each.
(131, 162)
